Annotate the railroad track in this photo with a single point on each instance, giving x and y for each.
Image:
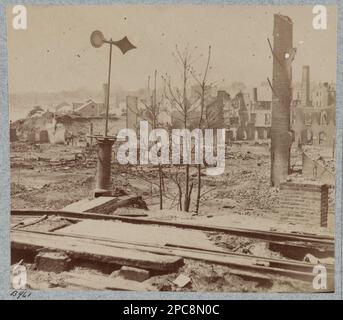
(238, 261)
(322, 242)
(260, 267)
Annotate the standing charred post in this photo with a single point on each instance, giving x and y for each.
(281, 137)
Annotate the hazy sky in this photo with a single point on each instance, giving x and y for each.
(45, 57)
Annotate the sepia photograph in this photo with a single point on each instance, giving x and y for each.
(172, 148)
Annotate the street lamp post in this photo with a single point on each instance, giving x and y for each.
(105, 143)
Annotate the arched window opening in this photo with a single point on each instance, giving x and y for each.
(322, 137)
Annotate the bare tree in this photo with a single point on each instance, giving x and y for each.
(183, 107)
(150, 112)
(203, 91)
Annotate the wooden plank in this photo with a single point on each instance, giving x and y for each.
(131, 212)
(105, 205)
(77, 249)
(84, 284)
(121, 202)
(97, 282)
(134, 233)
(30, 221)
(87, 204)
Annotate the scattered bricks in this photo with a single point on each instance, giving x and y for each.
(304, 202)
(135, 274)
(53, 262)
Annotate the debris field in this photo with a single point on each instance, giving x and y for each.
(67, 239)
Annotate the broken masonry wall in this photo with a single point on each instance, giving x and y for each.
(309, 129)
(59, 134)
(44, 136)
(313, 170)
(56, 132)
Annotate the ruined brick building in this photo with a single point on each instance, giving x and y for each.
(313, 116)
(260, 115)
(246, 117)
(243, 118)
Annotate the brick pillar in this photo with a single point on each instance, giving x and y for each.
(103, 174)
(304, 203)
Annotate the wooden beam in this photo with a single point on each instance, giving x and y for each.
(78, 249)
(105, 205)
(97, 282)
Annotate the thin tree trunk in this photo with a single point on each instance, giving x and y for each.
(186, 205)
(187, 200)
(199, 165)
(162, 179)
(203, 89)
(199, 189)
(160, 185)
(189, 196)
(180, 196)
(155, 120)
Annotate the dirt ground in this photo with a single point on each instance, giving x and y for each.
(52, 177)
(203, 278)
(38, 182)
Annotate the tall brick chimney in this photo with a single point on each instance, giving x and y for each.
(281, 138)
(305, 86)
(255, 94)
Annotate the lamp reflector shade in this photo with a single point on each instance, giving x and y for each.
(97, 39)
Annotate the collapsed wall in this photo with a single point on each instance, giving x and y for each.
(46, 129)
(56, 132)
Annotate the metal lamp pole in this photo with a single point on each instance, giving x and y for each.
(108, 89)
(105, 143)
